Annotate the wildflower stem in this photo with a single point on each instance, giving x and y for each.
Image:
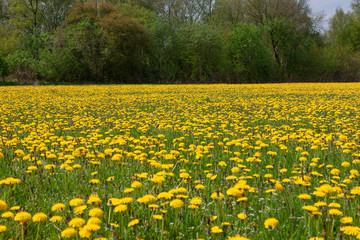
(162, 229)
(332, 228)
(22, 232)
(38, 230)
(110, 209)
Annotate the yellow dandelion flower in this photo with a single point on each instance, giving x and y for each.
(133, 222)
(94, 181)
(85, 233)
(335, 211)
(120, 208)
(346, 220)
(216, 229)
(304, 196)
(2, 228)
(196, 200)
(271, 222)
(128, 190)
(94, 198)
(234, 192)
(39, 217)
(136, 184)
(58, 207)
(76, 202)
(334, 205)
(319, 204)
(80, 209)
(76, 222)
(55, 219)
(165, 195)
(115, 225)
(94, 220)
(157, 217)
(237, 237)
(176, 203)
(193, 206)
(7, 214)
(225, 224)
(199, 186)
(92, 227)
(350, 230)
(310, 208)
(3, 205)
(22, 217)
(15, 208)
(96, 212)
(217, 195)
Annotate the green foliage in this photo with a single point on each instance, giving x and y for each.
(73, 54)
(99, 46)
(250, 56)
(9, 39)
(4, 68)
(292, 50)
(138, 41)
(126, 47)
(201, 52)
(24, 62)
(164, 51)
(141, 14)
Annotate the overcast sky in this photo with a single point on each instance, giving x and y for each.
(328, 7)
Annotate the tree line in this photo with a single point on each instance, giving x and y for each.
(176, 41)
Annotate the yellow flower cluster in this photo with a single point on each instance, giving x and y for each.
(232, 162)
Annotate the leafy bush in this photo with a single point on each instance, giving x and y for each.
(249, 54)
(4, 68)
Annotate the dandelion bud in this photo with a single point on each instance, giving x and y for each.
(324, 233)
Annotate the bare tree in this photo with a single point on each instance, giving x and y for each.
(294, 11)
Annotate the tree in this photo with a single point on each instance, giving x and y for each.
(25, 61)
(75, 54)
(3, 14)
(127, 47)
(54, 13)
(296, 12)
(250, 56)
(25, 15)
(338, 24)
(9, 38)
(201, 52)
(4, 69)
(229, 12)
(98, 45)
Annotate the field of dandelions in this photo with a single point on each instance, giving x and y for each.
(274, 161)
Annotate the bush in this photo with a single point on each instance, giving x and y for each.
(4, 69)
(249, 54)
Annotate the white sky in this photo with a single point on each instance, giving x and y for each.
(328, 7)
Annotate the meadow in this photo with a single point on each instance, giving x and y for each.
(236, 162)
